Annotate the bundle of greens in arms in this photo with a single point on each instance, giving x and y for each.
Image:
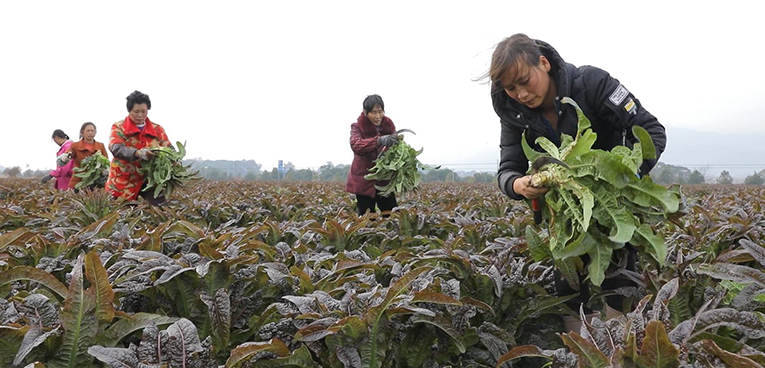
(165, 171)
(400, 167)
(598, 203)
(93, 171)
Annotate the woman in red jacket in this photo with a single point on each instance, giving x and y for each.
(370, 134)
(87, 146)
(130, 142)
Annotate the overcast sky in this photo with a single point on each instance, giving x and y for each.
(270, 80)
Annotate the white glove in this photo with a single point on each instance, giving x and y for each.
(63, 159)
(144, 154)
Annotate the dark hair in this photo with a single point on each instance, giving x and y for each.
(508, 53)
(371, 101)
(82, 129)
(138, 98)
(59, 133)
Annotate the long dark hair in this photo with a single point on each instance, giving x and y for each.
(60, 134)
(82, 129)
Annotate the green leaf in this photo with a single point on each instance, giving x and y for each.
(530, 153)
(32, 338)
(17, 237)
(600, 258)
(10, 342)
(100, 287)
(370, 353)
(646, 143)
(657, 351)
(612, 215)
(416, 345)
(26, 273)
(300, 358)
(537, 248)
(730, 359)
(604, 166)
(568, 269)
(242, 353)
(548, 146)
(647, 194)
(582, 145)
(127, 326)
(521, 352)
(583, 121)
(79, 322)
(446, 327)
(182, 290)
(589, 355)
(219, 310)
(652, 243)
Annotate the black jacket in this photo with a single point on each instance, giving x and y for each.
(611, 108)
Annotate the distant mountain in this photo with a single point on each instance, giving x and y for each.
(741, 154)
(221, 169)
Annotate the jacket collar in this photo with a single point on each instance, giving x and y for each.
(132, 129)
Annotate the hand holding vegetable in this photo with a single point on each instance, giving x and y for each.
(63, 158)
(144, 154)
(387, 140)
(522, 186)
(164, 170)
(46, 178)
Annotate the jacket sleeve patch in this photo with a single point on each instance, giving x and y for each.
(618, 96)
(631, 107)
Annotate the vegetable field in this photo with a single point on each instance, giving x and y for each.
(246, 274)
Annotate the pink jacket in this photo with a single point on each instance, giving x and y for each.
(63, 173)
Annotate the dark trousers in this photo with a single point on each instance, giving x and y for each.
(367, 203)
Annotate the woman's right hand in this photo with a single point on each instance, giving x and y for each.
(144, 154)
(63, 159)
(522, 186)
(387, 140)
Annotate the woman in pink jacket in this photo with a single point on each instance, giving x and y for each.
(63, 173)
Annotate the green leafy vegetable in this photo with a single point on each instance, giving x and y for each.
(93, 171)
(400, 167)
(597, 202)
(165, 171)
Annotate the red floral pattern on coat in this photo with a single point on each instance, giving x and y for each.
(124, 179)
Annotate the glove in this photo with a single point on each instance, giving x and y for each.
(387, 140)
(62, 159)
(46, 178)
(144, 154)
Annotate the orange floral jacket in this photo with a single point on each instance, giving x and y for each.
(124, 179)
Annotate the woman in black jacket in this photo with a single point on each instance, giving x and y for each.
(528, 81)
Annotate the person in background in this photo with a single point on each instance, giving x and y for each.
(63, 171)
(528, 80)
(84, 148)
(370, 135)
(130, 142)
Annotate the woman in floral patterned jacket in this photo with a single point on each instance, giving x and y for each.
(130, 142)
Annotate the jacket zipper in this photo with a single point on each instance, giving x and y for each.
(624, 137)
